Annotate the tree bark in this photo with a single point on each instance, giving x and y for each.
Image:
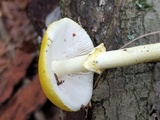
(128, 93)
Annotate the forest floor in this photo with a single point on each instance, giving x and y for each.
(21, 95)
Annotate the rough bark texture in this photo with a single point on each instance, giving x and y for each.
(129, 93)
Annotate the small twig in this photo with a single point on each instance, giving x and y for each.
(96, 82)
(156, 32)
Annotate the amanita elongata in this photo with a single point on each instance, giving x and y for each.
(68, 59)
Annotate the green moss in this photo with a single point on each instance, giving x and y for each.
(131, 35)
(142, 4)
(60, 2)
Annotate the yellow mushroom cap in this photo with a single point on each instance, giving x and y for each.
(62, 40)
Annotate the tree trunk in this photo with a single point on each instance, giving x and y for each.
(128, 93)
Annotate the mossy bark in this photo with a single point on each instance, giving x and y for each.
(129, 93)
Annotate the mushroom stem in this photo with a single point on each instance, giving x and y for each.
(98, 60)
(72, 65)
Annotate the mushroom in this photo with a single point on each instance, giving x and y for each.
(63, 40)
(68, 59)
